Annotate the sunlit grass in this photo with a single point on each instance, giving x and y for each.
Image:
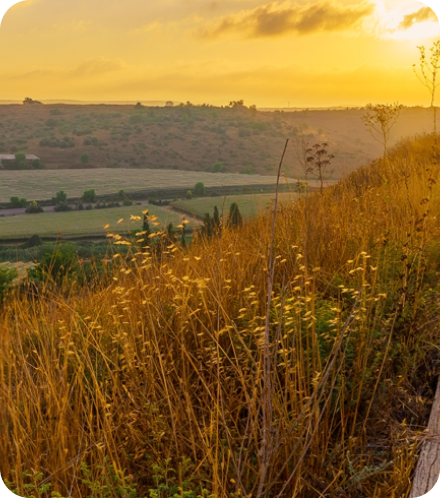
(161, 366)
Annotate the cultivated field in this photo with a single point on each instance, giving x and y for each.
(81, 223)
(44, 184)
(250, 205)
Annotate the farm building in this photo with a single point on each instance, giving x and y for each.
(11, 157)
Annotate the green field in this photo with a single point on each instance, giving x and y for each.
(250, 205)
(81, 223)
(44, 184)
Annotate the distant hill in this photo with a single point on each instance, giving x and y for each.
(195, 138)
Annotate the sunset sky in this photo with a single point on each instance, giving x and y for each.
(303, 53)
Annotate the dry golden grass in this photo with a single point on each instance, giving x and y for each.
(163, 366)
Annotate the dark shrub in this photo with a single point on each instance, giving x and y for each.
(33, 208)
(34, 241)
(62, 206)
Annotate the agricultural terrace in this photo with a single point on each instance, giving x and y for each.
(250, 205)
(82, 223)
(43, 184)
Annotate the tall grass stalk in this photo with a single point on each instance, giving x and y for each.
(158, 374)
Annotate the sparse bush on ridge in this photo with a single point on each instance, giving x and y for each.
(158, 371)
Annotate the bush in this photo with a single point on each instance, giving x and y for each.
(242, 132)
(7, 276)
(82, 131)
(56, 264)
(80, 206)
(36, 164)
(159, 202)
(89, 207)
(51, 123)
(135, 119)
(89, 196)
(90, 141)
(18, 203)
(54, 142)
(218, 167)
(85, 158)
(189, 194)
(127, 202)
(34, 241)
(61, 197)
(199, 189)
(33, 208)
(62, 206)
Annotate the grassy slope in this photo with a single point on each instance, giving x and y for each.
(81, 223)
(193, 138)
(165, 361)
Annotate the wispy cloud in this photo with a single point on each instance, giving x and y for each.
(423, 14)
(276, 19)
(97, 66)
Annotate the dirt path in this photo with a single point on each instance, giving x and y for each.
(190, 217)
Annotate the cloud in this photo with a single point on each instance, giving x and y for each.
(423, 14)
(276, 19)
(92, 67)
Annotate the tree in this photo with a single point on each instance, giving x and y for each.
(89, 196)
(182, 239)
(28, 101)
(61, 197)
(207, 225)
(379, 120)
(18, 203)
(318, 160)
(237, 104)
(199, 189)
(20, 160)
(170, 233)
(216, 218)
(85, 158)
(428, 73)
(189, 194)
(218, 167)
(235, 219)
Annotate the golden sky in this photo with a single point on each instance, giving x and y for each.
(302, 53)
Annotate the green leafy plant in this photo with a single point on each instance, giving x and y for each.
(109, 483)
(89, 196)
(7, 276)
(18, 203)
